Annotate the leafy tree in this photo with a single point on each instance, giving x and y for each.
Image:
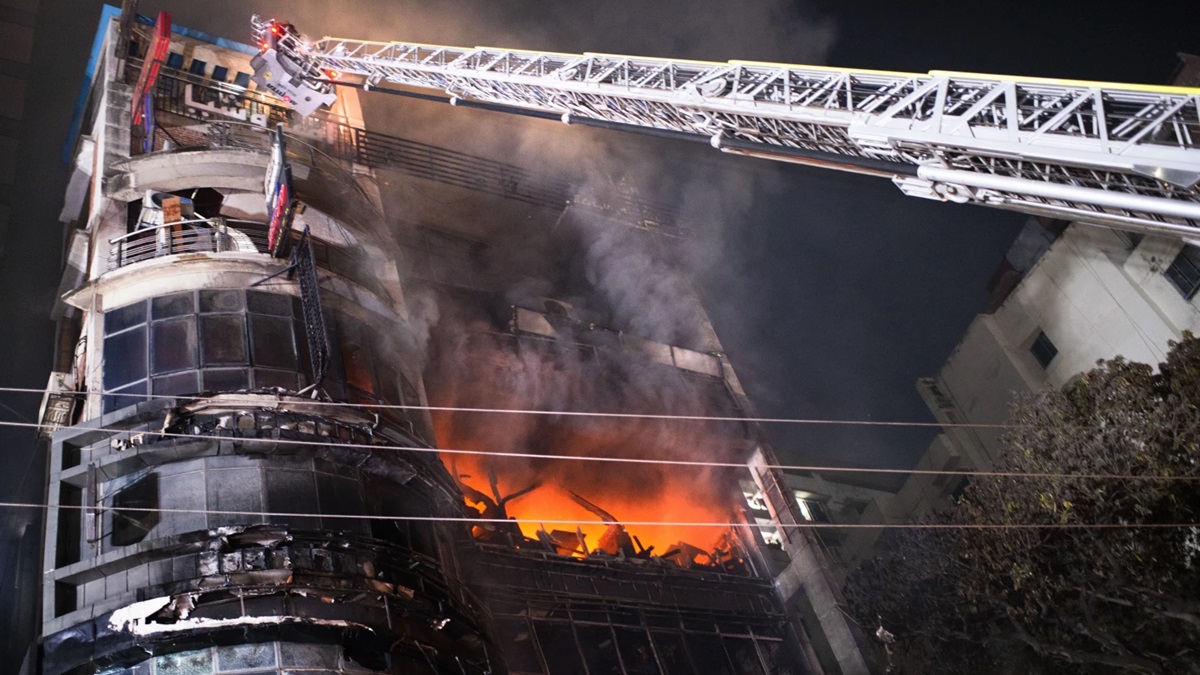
(1086, 600)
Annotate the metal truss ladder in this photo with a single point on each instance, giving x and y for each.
(1121, 155)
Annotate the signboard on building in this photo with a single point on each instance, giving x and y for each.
(310, 304)
(281, 201)
(156, 56)
(172, 209)
(58, 404)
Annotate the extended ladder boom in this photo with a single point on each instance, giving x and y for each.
(1115, 154)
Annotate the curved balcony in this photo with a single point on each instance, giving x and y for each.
(201, 235)
(229, 235)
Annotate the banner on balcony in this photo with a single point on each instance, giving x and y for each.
(281, 200)
(156, 56)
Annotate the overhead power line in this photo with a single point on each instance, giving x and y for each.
(636, 460)
(569, 413)
(638, 523)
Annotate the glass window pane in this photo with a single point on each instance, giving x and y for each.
(221, 301)
(226, 379)
(124, 358)
(241, 657)
(284, 379)
(311, 655)
(185, 663)
(271, 342)
(137, 394)
(1184, 271)
(131, 521)
(1043, 349)
(177, 384)
(223, 339)
(124, 317)
(172, 305)
(173, 345)
(269, 303)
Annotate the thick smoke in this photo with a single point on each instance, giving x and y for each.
(612, 274)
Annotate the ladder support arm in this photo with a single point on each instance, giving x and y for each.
(1127, 156)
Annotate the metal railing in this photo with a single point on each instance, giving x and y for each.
(199, 98)
(224, 235)
(201, 235)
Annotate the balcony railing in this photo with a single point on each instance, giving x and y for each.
(202, 235)
(192, 98)
(225, 235)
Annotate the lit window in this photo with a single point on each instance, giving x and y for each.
(1043, 349)
(812, 510)
(1184, 272)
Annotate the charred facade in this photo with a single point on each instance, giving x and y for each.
(267, 446)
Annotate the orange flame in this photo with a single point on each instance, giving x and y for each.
(503, 378)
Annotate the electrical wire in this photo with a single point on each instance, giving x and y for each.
(637, 460)
(563, 413)
(638, 523)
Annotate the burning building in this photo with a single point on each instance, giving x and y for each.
(300, 423)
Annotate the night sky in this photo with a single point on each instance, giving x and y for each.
(832, 293)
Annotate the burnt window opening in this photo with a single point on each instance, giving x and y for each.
(1043, 349)
(66, 598)
(70, 525)
(133, 513)
(672, 653)
(1184, 272)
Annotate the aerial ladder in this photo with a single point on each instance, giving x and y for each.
(1120, 155)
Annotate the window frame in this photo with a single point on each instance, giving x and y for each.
(1043, 349)
(1184, 271)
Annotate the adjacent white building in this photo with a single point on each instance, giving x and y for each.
(1067, 296)
(1093, 294)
